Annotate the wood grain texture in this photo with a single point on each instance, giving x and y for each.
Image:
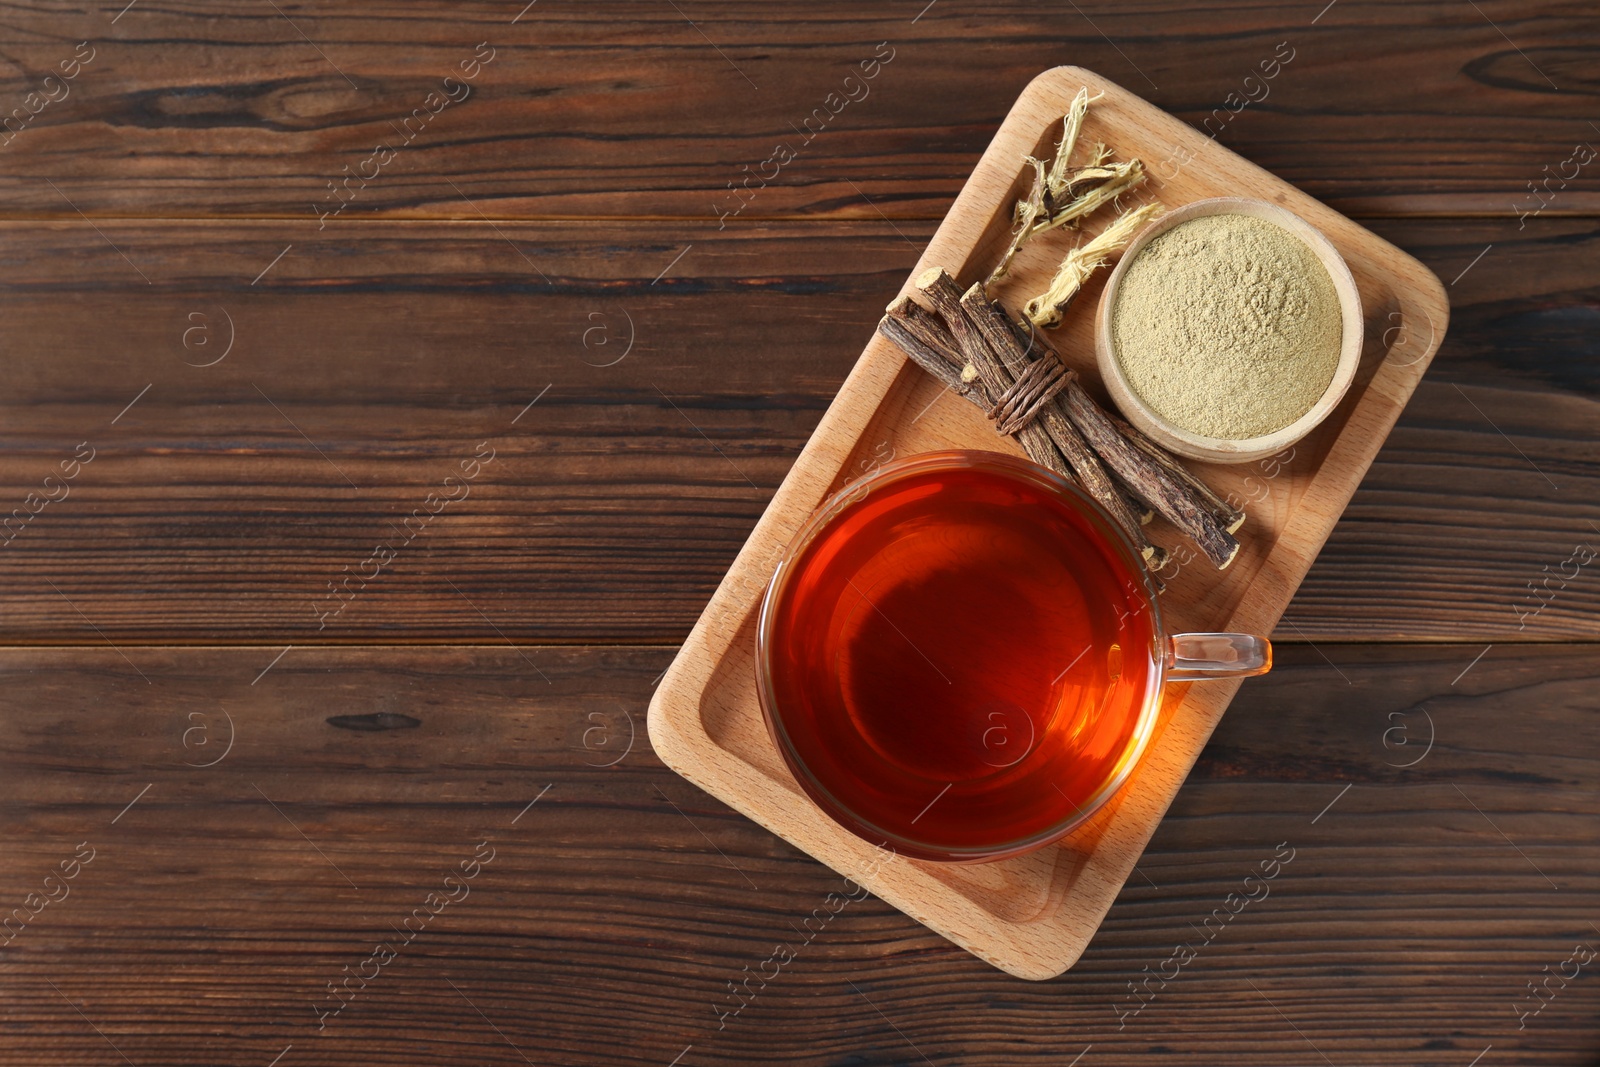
(1405, 930)
(618, 908)
(620, 498)
(198, 108)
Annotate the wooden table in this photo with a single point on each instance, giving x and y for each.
(355, 542)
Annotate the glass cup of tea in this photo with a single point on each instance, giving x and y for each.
(961, 656)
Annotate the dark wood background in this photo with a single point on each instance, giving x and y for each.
(266, 798)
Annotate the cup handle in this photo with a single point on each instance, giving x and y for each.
(1197, 657)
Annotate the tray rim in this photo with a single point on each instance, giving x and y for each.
(698, 758)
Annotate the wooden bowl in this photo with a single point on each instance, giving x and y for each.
(1213, 449)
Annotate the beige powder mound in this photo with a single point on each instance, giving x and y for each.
(1228, 326)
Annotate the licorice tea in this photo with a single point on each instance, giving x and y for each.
(959, 656)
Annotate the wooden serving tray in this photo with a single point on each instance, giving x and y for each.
(1033, 915)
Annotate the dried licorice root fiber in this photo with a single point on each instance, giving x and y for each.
(1228, 326)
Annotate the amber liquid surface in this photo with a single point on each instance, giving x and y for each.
(961, 659)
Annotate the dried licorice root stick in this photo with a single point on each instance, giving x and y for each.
(992, 322)
(1047, 308)
(1150, 480)
(974, 351)
(1229, 516)
(1060, 194)
(921, 336)
(942, 292)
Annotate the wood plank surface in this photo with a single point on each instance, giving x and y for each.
(269, 394)
(367, 366)
(229, 884)
(639, 108)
